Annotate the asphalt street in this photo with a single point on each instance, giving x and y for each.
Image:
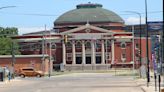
(76, 82)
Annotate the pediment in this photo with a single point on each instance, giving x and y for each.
(87, 29)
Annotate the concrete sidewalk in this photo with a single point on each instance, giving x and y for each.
(7, 81)
(149, 88)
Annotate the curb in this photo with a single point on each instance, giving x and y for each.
(143, 89)
(140, 86)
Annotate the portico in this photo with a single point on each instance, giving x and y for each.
(88, 54)
(91, 45)
(89, 49)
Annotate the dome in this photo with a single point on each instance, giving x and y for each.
(88, 12)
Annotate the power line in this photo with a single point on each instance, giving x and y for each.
(45, 15)
(29, 14)
(7, 7)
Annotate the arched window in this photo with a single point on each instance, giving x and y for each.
(107, 43)
(98, 44)
(88, 44)
(78, 44)
(53, 46)
(123, 45)
(69, 44)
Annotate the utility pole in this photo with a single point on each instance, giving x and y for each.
(147, 46)
(133, 52)
(43, 51)
(140, 27)
(50, 58)
(13, 58)
(163, 50)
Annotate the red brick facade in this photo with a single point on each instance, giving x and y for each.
(25, 61)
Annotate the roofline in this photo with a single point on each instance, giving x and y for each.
(34, 36)
(67, 23)
(86, 26)
(24, 56)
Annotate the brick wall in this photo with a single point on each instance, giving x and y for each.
(20, 62)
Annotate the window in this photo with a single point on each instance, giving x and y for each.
(123, 45)
(24, 47)
(107, 43)
(88, 45)
(69, 44)
(53, 46)
(137, 56)
(108, 56)
(36, 47)
(28, 69)
(123, 56)
(137, 46)
(54, 58)
(69, 56)
(57, 30)
(78, 44)
(98, 44)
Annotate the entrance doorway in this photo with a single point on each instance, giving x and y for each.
(98, 59)
(78, 60)
(88, 60)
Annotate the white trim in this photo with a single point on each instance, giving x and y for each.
(121, 45)
(23, 56)
(37, 39)
(86, 27)
(142, 38)
(123, 37)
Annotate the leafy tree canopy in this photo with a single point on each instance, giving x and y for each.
(6, 32)
(6, 42)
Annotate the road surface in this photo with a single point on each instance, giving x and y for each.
(76, 82)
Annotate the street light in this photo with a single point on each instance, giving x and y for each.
(12, 46)
(147, 49)
(139, 14)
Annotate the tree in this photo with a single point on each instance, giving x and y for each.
(6, 41)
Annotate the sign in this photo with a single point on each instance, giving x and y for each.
(155, 26)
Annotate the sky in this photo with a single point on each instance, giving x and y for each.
(33, 15)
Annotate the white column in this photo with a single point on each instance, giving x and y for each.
(73, 53)
(83, 53)
(64, 53)
(93, 52)
(102, 52)
(113, 51)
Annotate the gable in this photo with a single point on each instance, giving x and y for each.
(87, 29)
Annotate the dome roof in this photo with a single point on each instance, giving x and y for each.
(89, 12)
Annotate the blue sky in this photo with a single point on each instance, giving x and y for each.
(18, 16)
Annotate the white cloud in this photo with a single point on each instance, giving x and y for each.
(134, 20)
(24, 30)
